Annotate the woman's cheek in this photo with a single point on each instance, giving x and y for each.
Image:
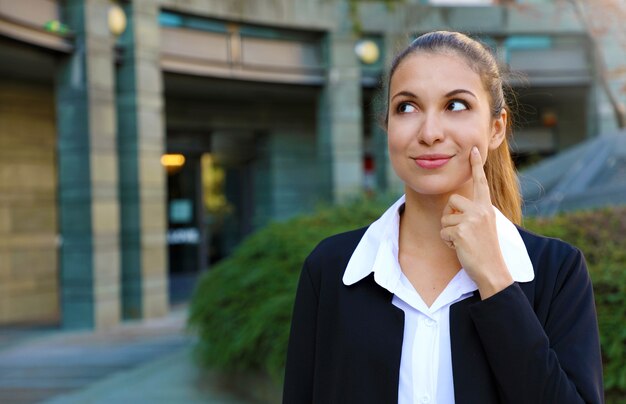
(394, 142)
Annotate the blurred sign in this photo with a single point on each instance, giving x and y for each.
(189, 235)
(181, 211)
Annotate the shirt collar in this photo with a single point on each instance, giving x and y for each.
(381, 239)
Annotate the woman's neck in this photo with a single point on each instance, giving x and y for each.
(421, 220)
(425, 259)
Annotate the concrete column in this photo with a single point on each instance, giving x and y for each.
(340, 137)
(142, 180)
(88, 197)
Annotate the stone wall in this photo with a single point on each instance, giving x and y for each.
(29, 289)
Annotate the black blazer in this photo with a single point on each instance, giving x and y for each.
(534, 342)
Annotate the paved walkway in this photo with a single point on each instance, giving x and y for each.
(136, 362)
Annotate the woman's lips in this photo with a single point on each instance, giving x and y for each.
(432, 161)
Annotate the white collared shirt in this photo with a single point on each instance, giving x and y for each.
(426, 361)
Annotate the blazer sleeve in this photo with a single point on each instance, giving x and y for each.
(300, 366)
(557, 362)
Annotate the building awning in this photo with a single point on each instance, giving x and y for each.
(587, 176)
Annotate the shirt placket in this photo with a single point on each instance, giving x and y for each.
(426, 357)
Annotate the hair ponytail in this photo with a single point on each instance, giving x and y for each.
(502, 178)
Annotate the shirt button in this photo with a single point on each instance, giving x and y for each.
(425, 399)
(430, 323)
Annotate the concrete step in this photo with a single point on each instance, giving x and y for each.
(37, 365)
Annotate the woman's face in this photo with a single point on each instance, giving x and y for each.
(438, 110)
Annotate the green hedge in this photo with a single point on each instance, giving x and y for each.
(241, 308)
(601, 235)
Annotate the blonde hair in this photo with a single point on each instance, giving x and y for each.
(499, 168)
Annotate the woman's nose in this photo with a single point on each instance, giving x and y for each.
(431, 130)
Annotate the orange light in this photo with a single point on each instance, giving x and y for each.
(172, 160)
(549, 119)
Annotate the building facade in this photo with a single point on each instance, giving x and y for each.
(142, 140)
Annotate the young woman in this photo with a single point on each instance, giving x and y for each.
(444, 299)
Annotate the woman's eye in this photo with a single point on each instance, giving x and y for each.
(404, 107)
(457, 106)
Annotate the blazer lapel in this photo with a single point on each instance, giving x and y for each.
(473, 378)
(367, 362)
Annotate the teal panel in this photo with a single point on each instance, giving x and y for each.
(272, 33)
(72, 122)
(125, 79)
(74, 168)
(169, 19)
(380, 150)
(528, 42)
(205, 25)
(129, 193)
(79, 315)
(72, 12)
(323, 146)
(76, 193)
(77, 258)
(129, 216)
(128, 165)
(76, 253)
(74, 224)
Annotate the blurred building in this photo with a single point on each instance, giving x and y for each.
(140, 143)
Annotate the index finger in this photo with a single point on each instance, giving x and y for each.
(481, 186)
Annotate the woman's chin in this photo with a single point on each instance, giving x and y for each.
(438, 190)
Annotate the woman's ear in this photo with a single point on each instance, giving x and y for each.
(498, 130)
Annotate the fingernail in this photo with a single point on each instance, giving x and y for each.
(475, 150)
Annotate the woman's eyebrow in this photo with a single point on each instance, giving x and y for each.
(405, 93)
(460, 91)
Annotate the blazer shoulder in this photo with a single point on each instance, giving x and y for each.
(552, 257)
(335, 251)
(537, 244)
(337, 244)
